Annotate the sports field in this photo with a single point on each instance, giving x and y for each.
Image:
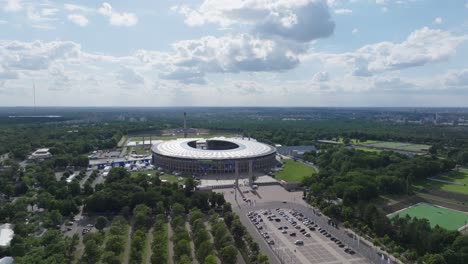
(294, 171)
(454, 181)
(399, 146)
(444, 217)
(368, 149)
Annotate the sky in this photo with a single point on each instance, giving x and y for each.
(234, 53)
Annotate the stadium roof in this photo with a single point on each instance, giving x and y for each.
(247, 148)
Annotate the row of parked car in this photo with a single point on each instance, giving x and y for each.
(312, 226)
(257, 219)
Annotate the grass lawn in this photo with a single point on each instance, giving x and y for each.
(446, 218)
(168, 177)
(460, 177)
(368, 149)
(398, 145)
(141, 151)
(294, 171)
(355, 141)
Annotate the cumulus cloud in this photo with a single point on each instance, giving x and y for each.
(73, 8)
(421, 47)
(438, 21)
(457, 78)
(129, 76)
(13, 5)
(8, 75)
(343, 11)
(191, 59)
(355, 31)
(79, 20)
(298, 20)
(35, 55)
(118, 19)
(321, 76)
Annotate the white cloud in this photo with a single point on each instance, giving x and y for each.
(438, 21)
(466, 5)
(13, 5)
(191, 59)
(116, 18)
(2, 22)
(423, 46)
(129, 76)
(299, 20)
(77, 8)
(355, 31)
(457, 78)
(321, 76)
(79, 20)
(343, 11)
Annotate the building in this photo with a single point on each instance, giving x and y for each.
(41, 154)
(195, 156)
(6, 260)
(6, 235)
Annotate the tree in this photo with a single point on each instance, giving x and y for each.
(55, 218)
(204, 250)
(91, 252)
(101, 223)
(210, 259)
(229, 254)
(110, 257)
(262, 258)
(435, 259)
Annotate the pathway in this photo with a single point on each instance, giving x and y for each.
(192, 245)
(208, 229)
(170, 244)
(149, 242)
(128, 244)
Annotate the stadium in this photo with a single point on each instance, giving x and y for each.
(195, 156)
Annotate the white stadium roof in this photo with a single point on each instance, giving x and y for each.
(179, 148)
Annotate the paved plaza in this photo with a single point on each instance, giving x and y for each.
(317, 249)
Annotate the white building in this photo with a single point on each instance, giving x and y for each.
(6, 235)
(41, 154)
(6, 260)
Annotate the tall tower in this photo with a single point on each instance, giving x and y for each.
(185, 125)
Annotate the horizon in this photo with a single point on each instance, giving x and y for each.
(236, 53)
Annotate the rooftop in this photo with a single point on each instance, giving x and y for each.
(6, 234)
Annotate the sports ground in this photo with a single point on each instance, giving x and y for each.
(454, 181)
(294, 171)
(444, 217)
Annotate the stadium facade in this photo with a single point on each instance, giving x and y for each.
(195, 156)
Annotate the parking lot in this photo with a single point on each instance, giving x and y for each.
(296, 239)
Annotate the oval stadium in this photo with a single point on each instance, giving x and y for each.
(195, 156)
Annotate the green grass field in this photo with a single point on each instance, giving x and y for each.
(446, 218)
(294, 171)
(398, 146)
(368, 149)
(459, 177)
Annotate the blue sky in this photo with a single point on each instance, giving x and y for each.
(234, 53)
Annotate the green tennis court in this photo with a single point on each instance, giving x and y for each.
(444, 217)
